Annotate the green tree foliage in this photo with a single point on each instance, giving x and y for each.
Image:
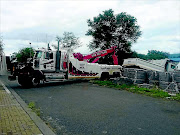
(137, 55)
(1, 45)
(25, 53)
(156, 55)
(108, 30)
(69, 40)
(151, 55)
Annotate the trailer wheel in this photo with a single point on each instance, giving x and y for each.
(105, 76)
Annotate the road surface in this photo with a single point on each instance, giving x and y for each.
(84, 108)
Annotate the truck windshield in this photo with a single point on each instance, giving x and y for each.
(38, 54)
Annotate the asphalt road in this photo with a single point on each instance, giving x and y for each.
(84, 108)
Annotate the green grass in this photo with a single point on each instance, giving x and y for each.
(177, 97)
(154, 92)
(32, 105)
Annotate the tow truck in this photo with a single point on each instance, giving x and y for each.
(59, 65)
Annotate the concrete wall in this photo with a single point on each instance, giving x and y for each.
(3, 66)
(168, 81)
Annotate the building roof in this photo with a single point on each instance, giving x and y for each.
(175, 59)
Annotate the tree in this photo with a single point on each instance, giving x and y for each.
(25, 53)
(154, 54)
(151, 55)
(137, 55)
(69, 40)
(108, 30)
(1, 45)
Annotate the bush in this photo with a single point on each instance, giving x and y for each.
(32, 106)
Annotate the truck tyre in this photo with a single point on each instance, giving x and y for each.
(25, 81)
(105, 76)
(21, 80)
(35, 82)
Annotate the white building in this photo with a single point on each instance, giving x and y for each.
(3, 66)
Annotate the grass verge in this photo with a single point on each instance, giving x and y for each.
(154, 92)
(34, 108)
(32, 105)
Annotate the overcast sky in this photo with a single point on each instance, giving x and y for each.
(40, 21)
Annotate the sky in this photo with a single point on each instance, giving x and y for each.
(39, 21)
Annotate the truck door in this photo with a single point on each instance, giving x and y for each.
(48, 64)
(63, 61)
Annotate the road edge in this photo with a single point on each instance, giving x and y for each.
(37, 120)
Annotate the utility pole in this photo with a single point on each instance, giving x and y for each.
(30, 49)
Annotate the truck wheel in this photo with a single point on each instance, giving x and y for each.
(24, 81)
(105, 76)
(35, 82)
(21, 80)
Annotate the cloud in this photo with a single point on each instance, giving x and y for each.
(153, 15)
(84, 48)
(169, 44)
(40, 21)
(15, 45)
(21, 14)
(60, 14)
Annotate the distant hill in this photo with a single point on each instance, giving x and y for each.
(177, 55)
(175, 59)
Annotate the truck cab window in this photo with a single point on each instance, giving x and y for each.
(51, 56)
(46, 55)
(38, 54)
(173, 66)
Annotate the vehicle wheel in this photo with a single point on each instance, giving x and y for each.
(24, 81)
(21, 80)
(35, 82)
